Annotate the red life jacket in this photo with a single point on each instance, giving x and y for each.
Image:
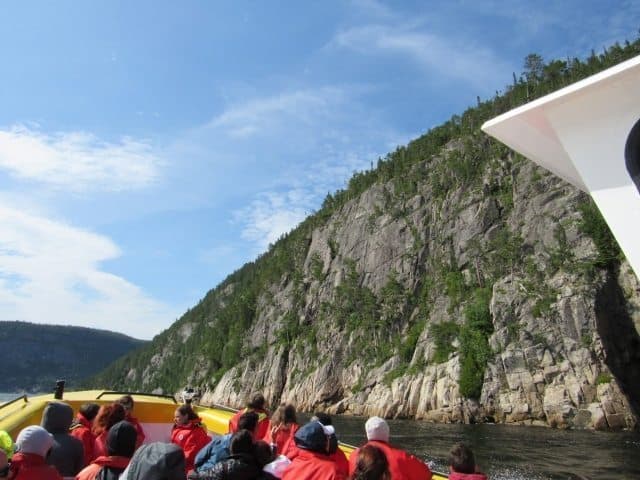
(29, 466)
(309, 465)
(191, 437)
(134, 421)
(90, 472)
(81, 429)
(467, 476)
(281, 436)
(291, 451)
(100, 445)
(402, 465)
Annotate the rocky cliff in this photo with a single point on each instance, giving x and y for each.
(456, 282)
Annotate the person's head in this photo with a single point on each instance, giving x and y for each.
(121, 439)
(89, 411)
(263, 453)
(257, 402)
(184, 414)
(127, 403)
(248, 421)
(377, 429)
(284, 415)
(323, 418)
(35, 440)
(461, 459)
(157, 461)
(372, 465)
(241, 443)
(315, 437)
(4, 465)
(57, 417)
(107, 416)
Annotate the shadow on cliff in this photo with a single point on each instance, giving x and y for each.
(620, 339)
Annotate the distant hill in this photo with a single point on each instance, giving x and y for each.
(34, 356)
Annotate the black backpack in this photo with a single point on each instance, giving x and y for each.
(109, 473)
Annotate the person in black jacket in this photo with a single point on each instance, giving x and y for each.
(67, 453)
(241, 464)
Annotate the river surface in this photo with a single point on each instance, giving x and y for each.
(514, 452)
(509, 452)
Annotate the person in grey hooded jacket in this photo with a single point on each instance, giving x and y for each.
(156, 461)
(67, 453)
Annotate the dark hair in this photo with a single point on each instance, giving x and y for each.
(121, 439)
(257, 402)
(107, 416)
(284, 415)
(126, 401)
(263, 453)
(248, 421)
(89, 410)
(322, 417)
(241, 442)
(461, 459)
(186, 409)
(372, 465)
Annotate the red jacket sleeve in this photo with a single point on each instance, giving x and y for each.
(194, 442)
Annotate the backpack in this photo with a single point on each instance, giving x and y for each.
(109, 473)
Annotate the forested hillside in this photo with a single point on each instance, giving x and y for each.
(455, 281)
(34, 356)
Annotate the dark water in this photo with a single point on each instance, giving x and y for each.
(513, 452)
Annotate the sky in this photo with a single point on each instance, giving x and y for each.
(148, 149)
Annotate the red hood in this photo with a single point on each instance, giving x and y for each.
(467, 476)
(114, 461)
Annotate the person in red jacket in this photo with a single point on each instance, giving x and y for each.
(462, 464)
(28, 463)
(81, 429)
(257, 404)
(127, 403)
(313, 461)
(121, 444)
(107, 416)
(402, 465)
(335, 453)
(189, 434)
(284, 425)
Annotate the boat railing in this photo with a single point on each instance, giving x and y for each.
(144, 394)
(17, 399)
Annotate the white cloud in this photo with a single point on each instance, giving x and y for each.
(471, 62)
(271, 215)
(50, 273)
(313, 140)
(257, 116)
(77, 161)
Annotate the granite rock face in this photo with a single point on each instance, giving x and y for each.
(554, 356)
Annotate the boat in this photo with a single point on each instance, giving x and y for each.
(588, 134)
(154, 411)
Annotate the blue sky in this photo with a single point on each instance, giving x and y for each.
(150, 148)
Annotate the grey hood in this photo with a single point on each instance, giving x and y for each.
(156, 461)
(57, 417)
